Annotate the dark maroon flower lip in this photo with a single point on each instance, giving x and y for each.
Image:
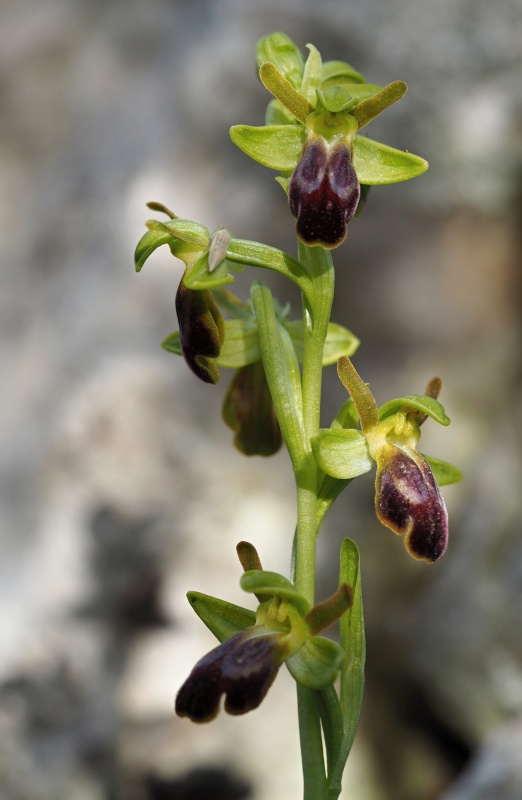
(201, 331)
(243, 668)
(409, 502)
(324, 192)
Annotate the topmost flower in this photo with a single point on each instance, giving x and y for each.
(312, 137)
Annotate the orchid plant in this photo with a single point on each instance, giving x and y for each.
(313, 140)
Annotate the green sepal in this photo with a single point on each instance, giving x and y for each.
(277, 114)
(274, 585)
(339, 73)
(311, 74)
(342, 453)
(188, 238)
(373, 106)
(241, 345)
(415, 402)
(172, 344)
(346, 417)
(316, 663)
(377, 164)
(278, 85)
(278, 147)
(339, 341)
(223, 619)
(444, 473)
(198, 276)
(278, 49)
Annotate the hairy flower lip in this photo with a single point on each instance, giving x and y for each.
(324, 192)
(242, 668)
(409, 502)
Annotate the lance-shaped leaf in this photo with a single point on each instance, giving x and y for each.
(342, 453)
(223, 619)
(376, 163)
(282, 373)
(415, 402)
(352, 639)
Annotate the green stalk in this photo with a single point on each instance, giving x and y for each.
(316, 317)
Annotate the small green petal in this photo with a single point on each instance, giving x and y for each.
(221, 618)
(278, 49)
(376, 163)
(278, 147)
(277, 85)
(444, 473)
(371, 108)
(346, 417)
(241, 345)
(336, 99)
(316, 663)
(277, 114)
(415, 402)
(360, 393)
(342, 453)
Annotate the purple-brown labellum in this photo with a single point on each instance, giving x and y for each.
(201, 331)
(324, 192)
(408, 501)
(249, 410)
(243, 668)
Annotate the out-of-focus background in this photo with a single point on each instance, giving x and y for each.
(120, 489)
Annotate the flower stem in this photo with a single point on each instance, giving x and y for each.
(316, 317)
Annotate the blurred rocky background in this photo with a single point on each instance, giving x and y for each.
(119, 487)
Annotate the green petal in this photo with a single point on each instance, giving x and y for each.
(149, 242)
(278, 147)
(415, 402)
(376, 163)
(341, 453)
(241, 345)
(444, 473)
(221, 618)
(278, 49)
(346, 417)
(274, 585)
(316, 663)
(277, 114)
(277, 85)
(195, 237)
(371, 108)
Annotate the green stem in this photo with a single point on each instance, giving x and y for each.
(316, 317)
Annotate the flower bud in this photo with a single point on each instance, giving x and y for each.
(324, 191)
(408, 501)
